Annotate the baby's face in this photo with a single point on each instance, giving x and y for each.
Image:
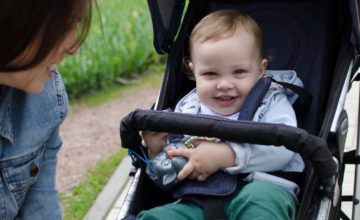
(226, 70)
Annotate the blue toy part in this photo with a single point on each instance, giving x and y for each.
(164, 169)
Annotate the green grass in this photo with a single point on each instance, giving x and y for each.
(150, 77)
(77, 202)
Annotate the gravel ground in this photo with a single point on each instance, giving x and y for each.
(92, 133)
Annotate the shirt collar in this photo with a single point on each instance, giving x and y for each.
(6, 127)
(207, 111)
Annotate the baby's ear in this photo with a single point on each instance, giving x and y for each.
(190, 70)
(191, 66)
(263, 65)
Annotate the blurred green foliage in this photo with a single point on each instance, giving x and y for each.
(119, 44)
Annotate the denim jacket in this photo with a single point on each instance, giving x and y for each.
(29, 142)
(275, 108)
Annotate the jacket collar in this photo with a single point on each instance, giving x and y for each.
(6, 127)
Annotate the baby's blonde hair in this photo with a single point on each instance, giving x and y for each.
(224, 23)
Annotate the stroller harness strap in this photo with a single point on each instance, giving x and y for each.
(254, 99)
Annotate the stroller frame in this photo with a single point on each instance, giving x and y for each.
(326, 118)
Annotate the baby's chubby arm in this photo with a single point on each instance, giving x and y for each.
(154, 141)
(205, 159)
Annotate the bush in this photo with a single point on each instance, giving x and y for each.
(117, 46)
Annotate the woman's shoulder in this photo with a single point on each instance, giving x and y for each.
(55, 87)
(31, 113)
(54, 94)
(52, 102)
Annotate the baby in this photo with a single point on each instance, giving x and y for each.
(227, 62)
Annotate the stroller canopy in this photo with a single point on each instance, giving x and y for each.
(166, 17)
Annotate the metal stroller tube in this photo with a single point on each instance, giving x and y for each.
(310, 147)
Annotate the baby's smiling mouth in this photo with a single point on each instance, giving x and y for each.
(225, 97)
(225, 100)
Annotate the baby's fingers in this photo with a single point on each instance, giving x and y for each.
(202, 177)
(185, 172)
(179, 152)
(148, 133)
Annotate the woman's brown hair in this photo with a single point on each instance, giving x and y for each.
(22, 22)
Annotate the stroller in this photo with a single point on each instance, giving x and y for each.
(319, 39)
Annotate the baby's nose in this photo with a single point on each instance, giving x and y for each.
(225, 84)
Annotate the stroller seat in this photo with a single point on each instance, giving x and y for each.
(313, 37)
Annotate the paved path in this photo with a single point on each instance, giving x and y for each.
(110, 201)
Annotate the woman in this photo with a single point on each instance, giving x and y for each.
(34, 36)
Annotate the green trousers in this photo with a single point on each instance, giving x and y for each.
(251, 201)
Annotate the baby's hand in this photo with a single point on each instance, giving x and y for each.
(205, 159)
(155, 141)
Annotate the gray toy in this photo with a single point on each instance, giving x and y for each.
(163, 169)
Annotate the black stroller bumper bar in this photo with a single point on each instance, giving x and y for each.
(310, 147)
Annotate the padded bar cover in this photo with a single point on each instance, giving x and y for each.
(298, 140)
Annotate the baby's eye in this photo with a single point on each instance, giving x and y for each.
(239, 71)
(209, 74)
